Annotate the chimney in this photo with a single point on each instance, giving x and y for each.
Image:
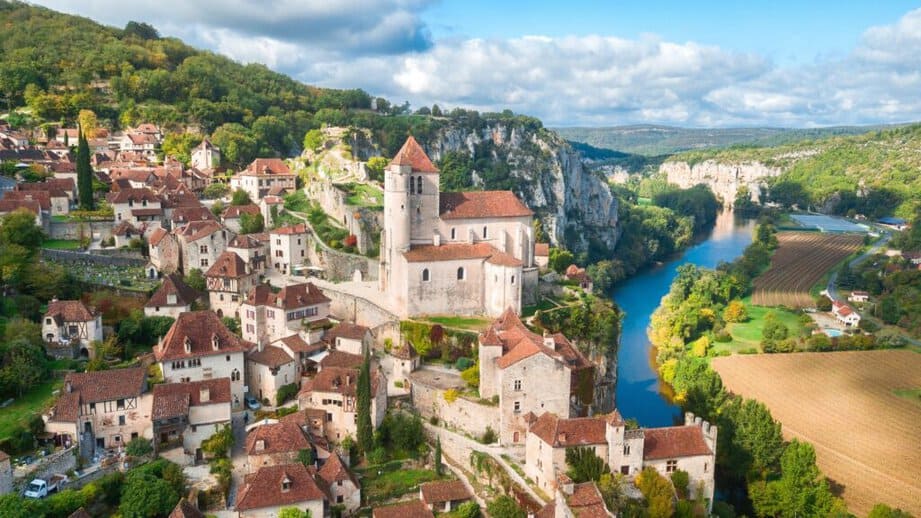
(204, 394)
(215, 342)
(260, 445)
(68, 387)
(436, 239)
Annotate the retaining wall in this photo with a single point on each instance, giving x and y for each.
(70, 256)
(71, 229)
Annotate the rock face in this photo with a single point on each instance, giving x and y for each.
(724, 179)
(574, 205)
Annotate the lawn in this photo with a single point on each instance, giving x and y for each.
(747, 335)
(544, 304)
(913, 395)
(19, 412)
(61, 244)
(363, 195)
(470, 323)
(393, 484)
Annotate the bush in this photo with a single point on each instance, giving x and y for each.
(489, 436)
(463, 363)
(472, 375)
(285, 392)
(219, 444)
(451, 395)
(377, 455)
(138, 447)
(680, 480)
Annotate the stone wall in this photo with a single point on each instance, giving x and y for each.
(58, 462)
(360, 310)
(340, 266)
(463, 414)
(70, 256)
(365, 223)
(71, 230)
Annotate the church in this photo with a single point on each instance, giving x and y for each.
(452, 253)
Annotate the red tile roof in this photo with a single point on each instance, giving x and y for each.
(674, 441)
(124, 228)
(135, 195)
(97, 386)
(42, 197)
(586, 501)
(69, 311)
(195, 230)
(300, 228)
(457, 252)
(146, 212)
(290, 297)
(157, 236)
(334, 470)
(270, 356)
(518, 342)
(267, 166)
(184, 509)
(347, 330)
(175, 399)
(172, 285)
(199, 330)
(444, 491)
(340, 380)
(299, 345)
(482, 204)
(14, 205)
(244, 241)
(565, 433)
(228, 264)
(409, 509)
(264, 488)
(542, 250)
(235, 211)
(342, 359)
(182, 215)
(281, 437)
(413, 155)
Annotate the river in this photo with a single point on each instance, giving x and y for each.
(638, 391)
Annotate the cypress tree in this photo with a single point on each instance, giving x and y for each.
(438, 468)
(365, 432)
(84, 173)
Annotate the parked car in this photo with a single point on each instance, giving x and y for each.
(251, 402)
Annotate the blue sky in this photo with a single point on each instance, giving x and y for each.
(684, 63)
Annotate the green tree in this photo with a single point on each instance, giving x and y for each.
(884, 511)
(680, 481)
(293, 512)
(180, 145)
(505, 507)
(306, 457)
(238, 146)
(657, 491)
(467, 510)
(240, 197)
(84, 174)
(219, 444)
(363, 390)
(560, 259)
(22, 365)
(196, 280)
(604, 274)
(801, 489)
(138, 447)
(20, 239)
(773, 328)
(313, 139)
(216, 190)
(613, 490)
(889, 310)
(146, 495)
(735, 312)
(438, 467)
(251, 223)
(584, 465)
(376, 165)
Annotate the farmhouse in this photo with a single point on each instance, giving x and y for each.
(350, 338)
(845, 313)
(343, 486)
(268, 368)
(71, 322)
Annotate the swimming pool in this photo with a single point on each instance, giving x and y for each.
(833, 332)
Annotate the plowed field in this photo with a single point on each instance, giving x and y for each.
(798, 263)
(866, 438)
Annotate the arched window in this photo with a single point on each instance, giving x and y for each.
(425, 275)
(412, 185)
(418, 185)
(460, 273)
(453, 233)
(513, 279)
(484, 233)
(235, 375)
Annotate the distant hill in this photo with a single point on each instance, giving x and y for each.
(654, 140)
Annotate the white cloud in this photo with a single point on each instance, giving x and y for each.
(383, 47)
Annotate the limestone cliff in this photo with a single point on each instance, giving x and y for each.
(723, 178)
(574, 205)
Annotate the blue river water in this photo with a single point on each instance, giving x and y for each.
(638, 392)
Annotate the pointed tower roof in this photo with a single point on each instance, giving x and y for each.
(412, 154)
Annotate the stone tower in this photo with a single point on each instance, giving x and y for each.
(206, 156)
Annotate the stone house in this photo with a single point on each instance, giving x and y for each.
(691, 448)
(333, 390)
(124, 232)
(190, 412)
(313, 424)
(206, 156)
(71, 322)
(272, 488)
(266, 316)
(199, 347)
(271, 206)
(275, 444)
(231, 218)
(140, 207)
(6, 474)
(571, 500)
(200, 244)
(444, 496)
(102, 409)
(228, 281)
(268, 368)
(252, 250)
(8, 206)
(173, 297)
(542, 255)
(264, 176)
(350, 338)
(344, 488)
(529, 373)
(403, 361)
(53, 191)
(407, 509)
(184, 509)
(163, 251)
(302, 351)
(468, 253)
(288, 247)
(179, 216)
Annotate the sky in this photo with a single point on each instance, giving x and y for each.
(704, 63)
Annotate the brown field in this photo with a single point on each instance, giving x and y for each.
(867, 439)
(799, 262)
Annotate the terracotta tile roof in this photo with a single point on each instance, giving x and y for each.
(565, 433)
(300, 228)
(13, 205)
(267, 166)
(200, 331)
(157, 236)
(444, 491)
(135, 195)
(408, 509)
(542, 250)
(172, 285)
(413, 155)
(184, 509)
(277, 190)
(334, 470)
(346, 330)
(299, 345)
(259, 295)
(482, 204)
(195, 230)
(504, 259)
(270, 356)
(175, 399)
(518, 343)
(244, 241)
(54, 189)
(140, 139)
(281, 437)
(228, 264)
(339, 380)
(405, 352)
(97, 386)
(182, 215)
(42, 197)
(547, 511)
(69, 311)
(342, 359)
(674, 441)
(146, 212)
(586, 501)
(290, 297)
(235, 211)
(264, 488)
(615, 419)
(459, 251)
